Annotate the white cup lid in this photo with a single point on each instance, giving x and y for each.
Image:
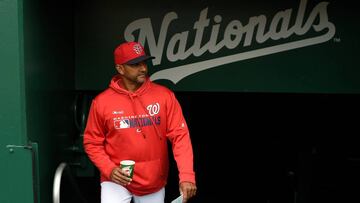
(127, 162)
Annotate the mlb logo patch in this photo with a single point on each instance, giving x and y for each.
(121, 124)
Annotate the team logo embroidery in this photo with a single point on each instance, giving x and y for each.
(153, 109)
(137, 48)
(136, 121)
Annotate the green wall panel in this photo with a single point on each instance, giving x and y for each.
(16, 172)
(17, 179)
(49, 78)
(37, 83)
(12, 111)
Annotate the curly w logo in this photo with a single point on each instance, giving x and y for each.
(153, 109)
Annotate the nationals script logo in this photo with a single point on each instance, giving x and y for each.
(235, 33)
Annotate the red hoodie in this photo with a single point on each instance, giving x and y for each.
(125, 125)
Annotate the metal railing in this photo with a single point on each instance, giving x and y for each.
(57, 182)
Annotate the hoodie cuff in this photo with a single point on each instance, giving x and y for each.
(108, 170)
(187, 177)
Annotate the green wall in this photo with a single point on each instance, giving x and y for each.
(16, 159)
(37, 83)
(49, 80)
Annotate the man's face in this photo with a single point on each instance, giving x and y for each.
(135, 73)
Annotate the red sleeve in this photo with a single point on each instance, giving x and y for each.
(94, 137)
(178, 134)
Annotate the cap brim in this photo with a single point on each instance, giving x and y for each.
(139, 59)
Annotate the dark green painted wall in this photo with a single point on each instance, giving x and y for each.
(49, 80)
(16, 161)
(37, 86)
(12, 73)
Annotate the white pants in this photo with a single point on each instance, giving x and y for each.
(115, 193)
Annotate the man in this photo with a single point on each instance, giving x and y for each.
(132, 120)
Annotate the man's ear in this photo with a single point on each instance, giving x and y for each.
(119, 69)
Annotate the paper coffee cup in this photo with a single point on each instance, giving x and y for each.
(128, 167)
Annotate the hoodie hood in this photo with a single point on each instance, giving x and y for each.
(116, 84)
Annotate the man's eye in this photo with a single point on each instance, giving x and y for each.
(135, 64)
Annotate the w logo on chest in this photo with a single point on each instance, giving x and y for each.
(153, 109)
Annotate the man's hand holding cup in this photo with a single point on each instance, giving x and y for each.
(123, 175)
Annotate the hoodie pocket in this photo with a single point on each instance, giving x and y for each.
(147, 175)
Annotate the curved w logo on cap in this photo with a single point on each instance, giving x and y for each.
(137, 48)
